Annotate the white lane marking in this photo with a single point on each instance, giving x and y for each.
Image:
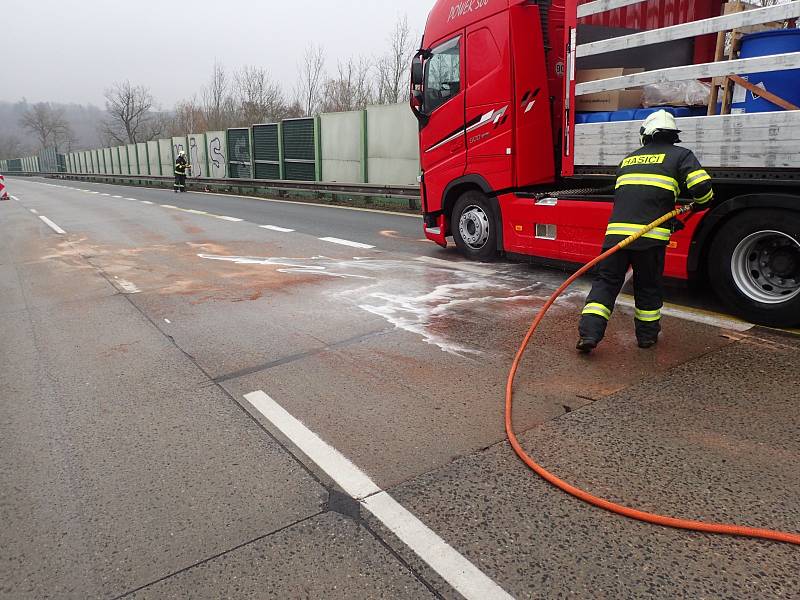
(91, 192)
(145, 201)
(342, 242)
(195, 212)
(694, 315)
(457, 266)
(451, 566)
(14, 198)
(349, 477)
(52, 225)
(131, 199)
(278, 229)
(120, 197)
(231, 219)
(104, 194)
(169, 206)
(34, 211)
(167, 321)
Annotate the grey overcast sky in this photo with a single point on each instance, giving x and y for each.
(71, 51)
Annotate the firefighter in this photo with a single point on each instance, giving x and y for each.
(649, 182)
(181, 165)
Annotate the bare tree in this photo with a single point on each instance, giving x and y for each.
(218, 104)
(12, 147)
(131, 114)
(351, 89)
(312, 77)
(48, 125)
(259, 99)
(394, 66)
(189, 118)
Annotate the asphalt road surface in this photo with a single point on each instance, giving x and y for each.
(207, 396)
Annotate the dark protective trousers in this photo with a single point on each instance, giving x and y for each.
(648, 285)
(180, 182)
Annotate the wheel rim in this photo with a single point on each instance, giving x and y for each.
(474, 227)
(766, 267)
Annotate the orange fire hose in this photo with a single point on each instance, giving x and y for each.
(631, 513)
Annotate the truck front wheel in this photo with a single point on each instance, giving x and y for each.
(474, 226)
(754, 266)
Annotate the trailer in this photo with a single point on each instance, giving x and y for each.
(509, 167)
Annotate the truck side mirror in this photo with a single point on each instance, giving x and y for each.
(417, 71)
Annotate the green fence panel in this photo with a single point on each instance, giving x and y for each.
(266, 151)
(153, 158)
(299, 150)
(167, 161)
(239, 161)
(133, 160)
(217, 151)
(197, 154)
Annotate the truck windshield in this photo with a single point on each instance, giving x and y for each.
(442, 74)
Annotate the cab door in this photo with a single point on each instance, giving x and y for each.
(443, 137)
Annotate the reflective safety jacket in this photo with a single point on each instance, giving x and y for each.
(181, 164)
(649, 182)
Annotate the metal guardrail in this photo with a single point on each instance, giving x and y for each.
(374, 190)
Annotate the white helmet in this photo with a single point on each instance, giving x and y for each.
(659, 121)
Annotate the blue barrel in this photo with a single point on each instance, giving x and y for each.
(785, 84)
(623, 115)
(598, 117)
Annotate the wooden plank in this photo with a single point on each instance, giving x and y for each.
(601, 6)
(742, 66)
(780, 12)
(766, 94)
(760, 140)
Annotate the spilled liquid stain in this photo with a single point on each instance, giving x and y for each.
(437, 303)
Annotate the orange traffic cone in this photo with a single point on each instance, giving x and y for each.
(3, 192)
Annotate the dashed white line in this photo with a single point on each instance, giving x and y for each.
(278, 229)
(195, 212)
(120, 197)
(231, 219)
(34, 211)
(169, 206)
(453, 567)
(145, 201)
(52, 225)
(104, 194)
(131, 199)
(342, 242)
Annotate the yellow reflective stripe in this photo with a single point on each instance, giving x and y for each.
(594, 308)
(705, 198)
(628, 229)
(659, 181)
(696, 178)
(648, 316)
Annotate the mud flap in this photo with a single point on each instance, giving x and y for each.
(438, 234)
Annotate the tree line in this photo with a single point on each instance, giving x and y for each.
(232, 98)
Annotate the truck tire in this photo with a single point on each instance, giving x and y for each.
(754, 266)
(474, 226)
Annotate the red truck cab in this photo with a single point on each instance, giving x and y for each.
(493, 89)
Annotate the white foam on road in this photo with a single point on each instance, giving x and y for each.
(342, 242)
(127, 286)
(458, 266)
(449, 564)
(52, 225)
(276, 228)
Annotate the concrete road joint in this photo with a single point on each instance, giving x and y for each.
(449, 564)
(216, 556)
